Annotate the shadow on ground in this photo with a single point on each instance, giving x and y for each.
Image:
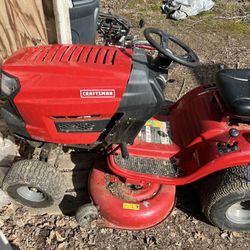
(77, 181)
(188, 202)
(206, 73)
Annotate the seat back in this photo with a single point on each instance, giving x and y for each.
(234, 88)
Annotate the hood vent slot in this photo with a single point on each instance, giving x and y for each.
(72, 53)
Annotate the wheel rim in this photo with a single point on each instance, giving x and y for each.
(90, 217)
(87, 218)
(31, 194)
(239, 212)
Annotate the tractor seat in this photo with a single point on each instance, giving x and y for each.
(234, 88)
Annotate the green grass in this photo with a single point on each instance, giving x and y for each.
(228, 27)
(206, 14)
(234, 28)
(217, 20)
(247, 8)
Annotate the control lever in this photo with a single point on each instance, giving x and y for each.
(231, 145)
(124, 150)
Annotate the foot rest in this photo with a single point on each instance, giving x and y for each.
(148, 165)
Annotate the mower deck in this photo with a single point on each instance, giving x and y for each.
(129, 204)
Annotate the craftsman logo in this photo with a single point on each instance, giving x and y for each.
(97, 93)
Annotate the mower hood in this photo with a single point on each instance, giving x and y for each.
(60, 81)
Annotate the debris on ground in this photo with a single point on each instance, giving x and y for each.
(180, 9)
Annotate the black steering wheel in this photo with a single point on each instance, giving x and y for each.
(190, 59)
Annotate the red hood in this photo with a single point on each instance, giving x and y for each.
(53, 77)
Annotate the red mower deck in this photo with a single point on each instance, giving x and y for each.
(129, 205)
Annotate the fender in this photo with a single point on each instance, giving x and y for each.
(241, 158)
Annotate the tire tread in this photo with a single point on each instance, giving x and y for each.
(219, 185)
(37, 173)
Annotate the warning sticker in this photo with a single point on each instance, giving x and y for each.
(156, 131)
(131, 206)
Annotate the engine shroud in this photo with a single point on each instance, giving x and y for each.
(81, 94)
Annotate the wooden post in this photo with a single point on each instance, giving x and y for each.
(50, 21)
(63, 30)
(21, 24)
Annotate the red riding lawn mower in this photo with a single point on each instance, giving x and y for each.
(111, 100)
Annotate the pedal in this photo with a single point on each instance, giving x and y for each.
(167, 168)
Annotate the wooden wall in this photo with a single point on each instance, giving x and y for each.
(22, 24)
(50, 20)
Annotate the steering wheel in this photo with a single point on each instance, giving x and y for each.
(190, 59)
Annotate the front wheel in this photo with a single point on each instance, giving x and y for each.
(86, 214)
(34, 184)
(225, 198)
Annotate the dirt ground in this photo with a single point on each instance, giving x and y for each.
(220, 36)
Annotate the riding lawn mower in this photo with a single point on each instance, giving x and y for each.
(111, 100)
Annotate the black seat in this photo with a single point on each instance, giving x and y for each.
(234, 88)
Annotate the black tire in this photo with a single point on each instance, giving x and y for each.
(34, 184)
(225, 198)
(86, 213)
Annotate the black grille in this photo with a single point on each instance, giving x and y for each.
(81, 126)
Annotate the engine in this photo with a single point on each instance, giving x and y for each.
(79, 95)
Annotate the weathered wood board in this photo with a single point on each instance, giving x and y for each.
(50, 21)
(22, 24)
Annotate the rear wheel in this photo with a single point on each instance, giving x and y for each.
(225, 198)
(34, 184)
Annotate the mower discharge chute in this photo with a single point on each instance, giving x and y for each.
(111, 100)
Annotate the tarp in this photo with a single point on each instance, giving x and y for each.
(180, 9)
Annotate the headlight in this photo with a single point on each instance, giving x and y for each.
(8, 85)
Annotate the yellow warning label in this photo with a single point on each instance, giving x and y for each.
(131, 206)
(155, 124)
